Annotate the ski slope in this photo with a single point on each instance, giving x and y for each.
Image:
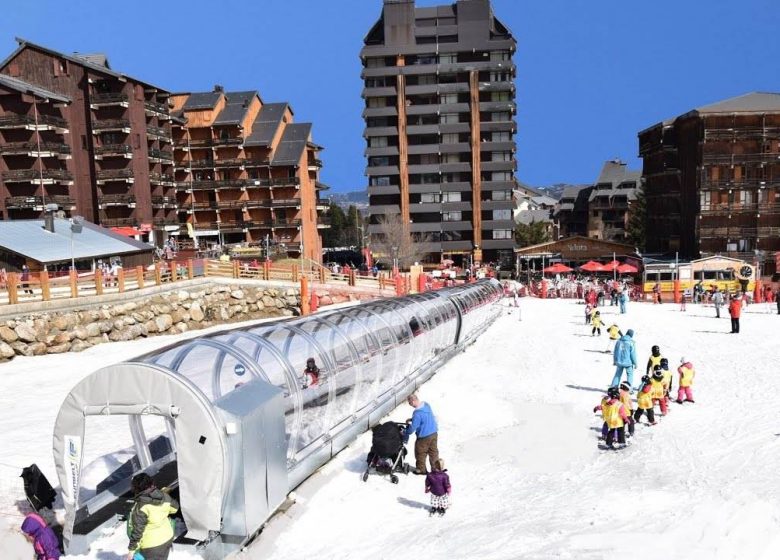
(517, 432)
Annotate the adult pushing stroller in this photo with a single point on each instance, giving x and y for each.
(387, 452)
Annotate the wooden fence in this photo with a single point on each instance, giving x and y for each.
(40, 286)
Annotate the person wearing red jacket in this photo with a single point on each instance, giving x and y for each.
(735, 309)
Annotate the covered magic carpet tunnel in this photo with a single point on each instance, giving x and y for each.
(225, 422)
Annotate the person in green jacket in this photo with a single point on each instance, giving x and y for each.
(149, 526)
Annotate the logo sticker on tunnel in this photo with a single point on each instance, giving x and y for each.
(239, 369)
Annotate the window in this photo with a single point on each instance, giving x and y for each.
(501, 195)
(377, 102)
(500, 55)
(449, 138)
(499, 76)
(451, 197)
(378, 161)
(429, 159)
(501, 176)
(501, 137)
(747, 197)
(375, 62)
(426, 59)
(501, 156)
(450, 177)
(447, 21)
(377, 141)
(500, 96)
(429, 179)
(448, 58)
(427, 198)
(449, 118)
(502, 116)
(426, 80)
(372, 122)
(448, 98)
(382, 181)
(425, 22)
(452, 216)
(502, 234)
(503, 214)
(450, 158)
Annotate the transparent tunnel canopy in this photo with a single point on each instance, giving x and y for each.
(363, 352)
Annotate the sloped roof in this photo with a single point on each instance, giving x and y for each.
(203, 100)
(266, 124)
(23, 87)
(615, 173)
(528, 216)
(292, 145)
(29, 239)
(236, 106)
(755, 102)
(99, 59)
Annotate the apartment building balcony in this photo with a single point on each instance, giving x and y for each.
(384, 91)
(110, 125)
(233, 163)
(496, 86)
(323, 223)
(285, 223)
(160, 156)
(118, 222)
(39, 177)
(161, 179)
(314, 164)
(384, 151)
(282, 181)
(499, 165)
(386, 131)
(153, 108)
(498, 244)
(37, 202)
(163, 221)
(189, 186)
(119, 175)
(225, 142)
(158, 133)
(43, 122)
(740, 158)
(380, 112)
(111, 200)
(384, 170)
(728, 134)
(492, 106)
(33, 149)
(754, 208)
(498, 126)
(113, 150)
(163, 201)
(108, 100)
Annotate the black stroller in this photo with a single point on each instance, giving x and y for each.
(387, 452)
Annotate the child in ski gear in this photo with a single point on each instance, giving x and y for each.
(654, 360)
(625, 398)
(657, 390)
(735, 310)
(687, 373)
(588, 310)
(600, 407)
(311, 375)
(614, 334)
(667, 377)
(616, 416)
(597, 324)
(148, 525)
(644, 402)
(624, 358)
(437, 483)
(41, 536)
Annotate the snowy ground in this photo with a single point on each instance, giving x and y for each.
(519, 439)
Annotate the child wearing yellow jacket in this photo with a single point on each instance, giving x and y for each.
(615, 416)
(644, 402)
(597, 324)
(687, 373)
(658, 391)
(614, 334)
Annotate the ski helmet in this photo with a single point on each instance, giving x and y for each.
(682, 361)
(624, 386)
(656, 350)
(658, 374)
(664, 363)
(613, 392)
(645, 378)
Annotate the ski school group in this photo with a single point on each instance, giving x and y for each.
(617, 407)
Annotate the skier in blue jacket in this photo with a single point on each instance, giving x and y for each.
(624, 358)
(423, 425)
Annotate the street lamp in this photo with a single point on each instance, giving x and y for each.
(76, 224)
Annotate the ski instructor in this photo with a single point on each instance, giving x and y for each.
(423, 425)
(624, 358)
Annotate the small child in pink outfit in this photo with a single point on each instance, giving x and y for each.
(687, 373)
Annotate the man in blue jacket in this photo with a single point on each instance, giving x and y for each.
(624, 358)
(423, 425)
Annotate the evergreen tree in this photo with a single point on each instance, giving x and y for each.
(637, 220)
(531, 234)
(334, 236)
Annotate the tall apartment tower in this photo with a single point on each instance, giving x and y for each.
(246, 173)
(100, 147)
(439, 112)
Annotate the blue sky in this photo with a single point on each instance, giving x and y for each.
(590, 74)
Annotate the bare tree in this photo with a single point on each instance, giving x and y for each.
(393, 241)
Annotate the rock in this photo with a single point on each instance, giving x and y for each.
(151, 326)
(183, 295)
(290, 292)
(59, 348)
(119, 336)
(292, 301)
(80, 333)
(129, 320)
(280, 303)
(63, 338)
(105, 326)
(25, 332)
(181, 327)
(6, 352)
(38, 348)
(177, 315)
(105, 314)
(287, 312)
(237, 294)
(260, 306)
(79, 346)
(117, 324)
(163, 322)
(23, 349)
(95, 340)
(223, 314)
(268, 301)
(93, 329)
(60, 323)
(196, 313)
(250, 297)
(8, 335)
(139, 318)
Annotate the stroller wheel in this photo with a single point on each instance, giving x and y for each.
(394, 479)
(365, 476)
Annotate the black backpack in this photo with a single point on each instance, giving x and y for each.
(39, 492)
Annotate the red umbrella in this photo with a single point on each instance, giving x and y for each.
(611, 265)
(592, 266)
(557, 268)
(627, 269)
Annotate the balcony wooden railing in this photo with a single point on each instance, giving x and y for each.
(209, 185)
(157, 178)
(747, 132)
(107, 98)
(257, 162)
(116, 199)
(110, 124)
(118, 222)
(34, 175)
(741, 158)
(8, 121)
(160, 154)
(32, 147)
(737, 207)
(17, 202)
(113, 149)
(173, 221)
(227, 142)
(157, 131)
(108, 174)
(155, 107)
(163, 200)
(230, 162)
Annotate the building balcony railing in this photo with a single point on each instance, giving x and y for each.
(161, 179)
(163, 201)
(43, 122)
(737, 207)
(223, 163)
(37, 176)
(116, 200)
(227, 142)
(22, 202)
(197, 164)
(34, 150)
(162, 221)
(107, 99)
(155, 154)
(737, 133)
(158, 132)
(108, 125)
(156, 108)
(209, 185)
(114, 174)
(740, 158)
(118, 222)
(114, 150)
(736, 232)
